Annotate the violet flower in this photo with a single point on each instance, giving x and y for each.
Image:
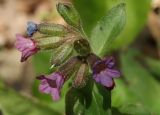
(28, 47)
(51, 84)
(31, 28)
(104, 72)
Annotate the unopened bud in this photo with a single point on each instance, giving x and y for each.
(31, 28)
(61, 54)
(82, 47)
(81, 76)
(50, 42)
(69, 14)
(70, 67)
(52, 29)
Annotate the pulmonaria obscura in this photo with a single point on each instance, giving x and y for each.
(73, 56)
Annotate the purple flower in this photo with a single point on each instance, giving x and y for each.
(28, 47)
(51, 84)
(104, 72)
(31, 28)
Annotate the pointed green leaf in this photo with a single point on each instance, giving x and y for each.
(101, 101)
(154, 66)
(90, 11)
(137, 17)
(71, 98)
(107, 29)
(90, 100)
(97, 100)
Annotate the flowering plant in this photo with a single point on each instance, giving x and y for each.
(77, 57)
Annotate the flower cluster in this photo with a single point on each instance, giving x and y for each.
(64, 41)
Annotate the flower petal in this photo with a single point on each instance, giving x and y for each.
(26, 46)
(58, 78)
(110, 62)
(51, 84)
(103, 79)
(107, 82)
(55, 94)
(44, 87)
(112, 73)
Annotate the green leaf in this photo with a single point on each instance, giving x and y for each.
(140, 82)
(12, 103)
(70, 100)
(121, 95)
(107, 29)
(74, 101)
(93, 99)
(90, 12)
(154, 66)
(136, 19)
(133, 109)
(135, 13)
(99, 102)
(126, 102)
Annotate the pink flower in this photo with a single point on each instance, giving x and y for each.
(51, 84)
(104, 72)
(27, 46)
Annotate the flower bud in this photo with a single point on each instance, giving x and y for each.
(52, 29)
(61, 55)
(81, 76)
(69, 14)
(70, 67)
(31, 28)
(50, 42)
(82, 47)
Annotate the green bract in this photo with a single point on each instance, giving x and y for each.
(81, 77)
(52, 29)
(69, 14)
(61, 54)
(50, 42)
